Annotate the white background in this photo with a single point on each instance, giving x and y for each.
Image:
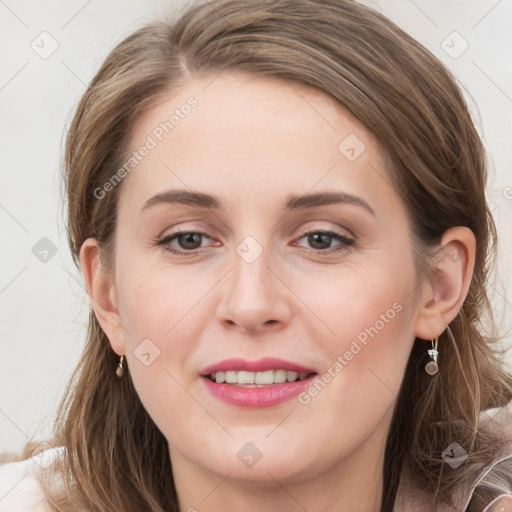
(43, 305)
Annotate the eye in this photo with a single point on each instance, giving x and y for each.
(320, 241)
(188, 242)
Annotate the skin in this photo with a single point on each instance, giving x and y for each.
(252, 142)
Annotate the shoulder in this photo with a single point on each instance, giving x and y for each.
(496, 479)
(19, 487)
(490, 487)
(502, 503)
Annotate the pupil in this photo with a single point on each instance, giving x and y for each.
(189, 240)
(321, 238)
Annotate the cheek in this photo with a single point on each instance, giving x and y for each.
(163, 311)
(156, 302)
(367, 318)
(360, 302)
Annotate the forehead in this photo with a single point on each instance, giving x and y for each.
(235, 134)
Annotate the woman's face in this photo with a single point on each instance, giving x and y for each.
(280, 271)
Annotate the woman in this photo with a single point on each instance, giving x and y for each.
(279, 211)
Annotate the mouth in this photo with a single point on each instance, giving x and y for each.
(263, 383)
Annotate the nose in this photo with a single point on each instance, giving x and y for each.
(255, 298)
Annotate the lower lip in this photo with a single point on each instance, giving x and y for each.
(266, 396)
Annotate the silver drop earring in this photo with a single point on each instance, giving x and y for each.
(431, 367)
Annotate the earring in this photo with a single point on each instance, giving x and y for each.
(431, 367)
(119, 369)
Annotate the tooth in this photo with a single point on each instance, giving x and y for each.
(280, 376)
(291, 376)
(265, 377)
(231, 377)
(246, 378)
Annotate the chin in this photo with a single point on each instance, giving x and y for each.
(262, 460)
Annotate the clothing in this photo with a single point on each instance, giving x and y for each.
(411, 498)
(19, 489)
(20, 492)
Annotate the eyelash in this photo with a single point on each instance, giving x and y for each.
(346, 242)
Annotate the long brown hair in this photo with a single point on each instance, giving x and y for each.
(117, 458)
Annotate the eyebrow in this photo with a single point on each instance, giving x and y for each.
(293, 202)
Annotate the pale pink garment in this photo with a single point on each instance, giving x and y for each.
(410, 498)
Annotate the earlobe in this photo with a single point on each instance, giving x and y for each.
(444, 290)
(102, 294)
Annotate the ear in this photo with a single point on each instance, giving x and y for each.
(102, 294)
(444, 290)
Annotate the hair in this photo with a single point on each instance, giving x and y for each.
(117, 457)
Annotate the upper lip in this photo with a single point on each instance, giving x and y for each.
(267, 363)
